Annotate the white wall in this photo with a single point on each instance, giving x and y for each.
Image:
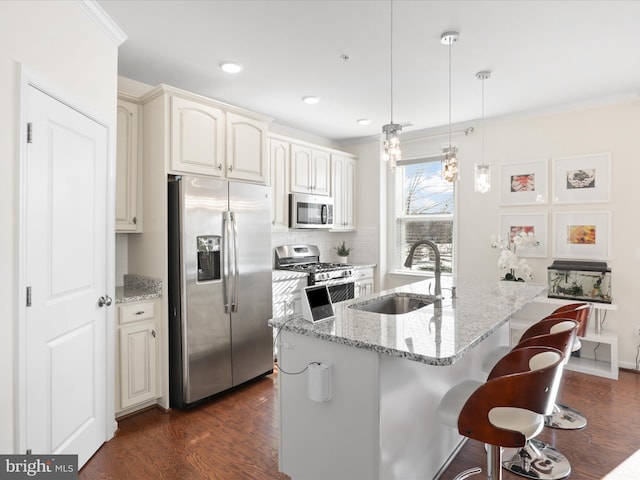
(611, 128)
(62, 45)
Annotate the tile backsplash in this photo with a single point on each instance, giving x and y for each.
(362, 242)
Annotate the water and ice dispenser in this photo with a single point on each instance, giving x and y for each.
(209, 257)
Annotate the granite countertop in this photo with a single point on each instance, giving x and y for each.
(137, 287)
(430, 335)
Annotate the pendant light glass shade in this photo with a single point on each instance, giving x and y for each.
(483, 178)
(450, 160)
(392, 152)
(483, 170)
(450, 164)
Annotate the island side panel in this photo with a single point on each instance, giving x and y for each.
(414, 442)
(338, 439)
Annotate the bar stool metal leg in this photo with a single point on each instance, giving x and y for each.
(468, 473)
(565, 418)
(538, 461)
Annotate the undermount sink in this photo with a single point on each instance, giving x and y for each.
(396, 303)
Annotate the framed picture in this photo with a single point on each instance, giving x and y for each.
(535, 223)
(524, 183)
(584, 235)
(582, 179)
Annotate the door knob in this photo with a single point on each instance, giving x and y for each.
(106, 300)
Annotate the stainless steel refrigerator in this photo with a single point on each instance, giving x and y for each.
(220, 262)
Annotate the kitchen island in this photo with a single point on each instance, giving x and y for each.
(387, 376)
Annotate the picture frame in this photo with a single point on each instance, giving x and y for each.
(528, 222)
(582, 178)
(583, 235)
(524, 183)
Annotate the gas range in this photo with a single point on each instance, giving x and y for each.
(320, 272)
(306, 259)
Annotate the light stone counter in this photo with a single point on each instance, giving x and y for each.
(386, 375)
(429, 335)
(137, 288)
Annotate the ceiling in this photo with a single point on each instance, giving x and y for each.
(542, 54)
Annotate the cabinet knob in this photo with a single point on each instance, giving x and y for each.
(153, 333)
(219, 166)
(135, 220)
(231, 168)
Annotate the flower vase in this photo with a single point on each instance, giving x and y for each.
(343, 259)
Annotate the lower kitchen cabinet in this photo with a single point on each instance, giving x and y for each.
(287, 298)
(138, 355)
(364, 283)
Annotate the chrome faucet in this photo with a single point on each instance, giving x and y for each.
(409, 261)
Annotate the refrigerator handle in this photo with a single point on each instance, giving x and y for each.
(235, 300)
(226, 261)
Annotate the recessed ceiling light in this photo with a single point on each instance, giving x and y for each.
(363, 121)
(230, 67)
(310, 100)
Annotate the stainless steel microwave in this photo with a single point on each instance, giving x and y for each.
(310, 211)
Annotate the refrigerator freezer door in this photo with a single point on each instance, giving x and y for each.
(251, 336)
(205, 325)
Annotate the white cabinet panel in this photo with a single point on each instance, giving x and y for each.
(247, 157)
(279, 157)
(128, 189)
(138, 337)
(197, 138)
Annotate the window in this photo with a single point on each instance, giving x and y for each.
(424, 210)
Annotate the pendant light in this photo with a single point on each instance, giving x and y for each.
(483, 170)
(392, 152)
(450, 160)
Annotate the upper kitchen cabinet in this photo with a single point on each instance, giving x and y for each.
(210, 138)
(128, 167)
(279, 153)
(343, 191)
(247, 149)
(310, 170)
(197, 137)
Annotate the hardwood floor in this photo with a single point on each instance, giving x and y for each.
(235, 436)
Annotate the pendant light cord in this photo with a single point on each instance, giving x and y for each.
(482, 122)
(391, 56)
(450, 43)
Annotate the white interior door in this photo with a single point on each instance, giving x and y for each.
(65, 268)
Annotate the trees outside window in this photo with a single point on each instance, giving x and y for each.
(424, 210)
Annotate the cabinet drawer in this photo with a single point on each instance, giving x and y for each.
(137, 311)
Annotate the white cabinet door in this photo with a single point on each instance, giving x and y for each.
(310, 170)
(128, 208)
(343, 187)
(279, 157)
(349, 194)
(197, 138)
(138, 363)
(300, 168)
(246, 149)
(321, 171)
(337, 190)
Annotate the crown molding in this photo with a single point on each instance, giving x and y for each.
(104, 21)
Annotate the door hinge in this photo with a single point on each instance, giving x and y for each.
(29, 132)
(28, 296)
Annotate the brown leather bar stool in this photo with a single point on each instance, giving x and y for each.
(509, 408)
(564, 416)
(538, 460)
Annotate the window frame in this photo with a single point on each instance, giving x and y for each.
(399, 219)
